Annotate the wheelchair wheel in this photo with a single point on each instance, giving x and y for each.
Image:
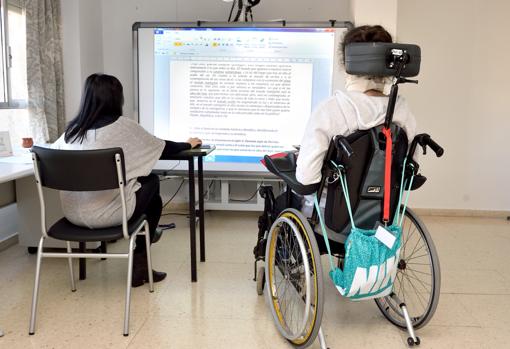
(261, 280)
(294, 278)
(418, 279)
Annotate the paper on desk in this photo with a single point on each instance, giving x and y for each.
(18, 159)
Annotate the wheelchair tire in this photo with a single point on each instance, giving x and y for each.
(418, 280)
(261, 280)
(294, 284)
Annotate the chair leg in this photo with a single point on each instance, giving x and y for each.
(128, 286)
(104, 249)
(149, 258)
(35, 295)
(71, 273)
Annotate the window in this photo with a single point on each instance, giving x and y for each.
(13, 80)
(13, 71)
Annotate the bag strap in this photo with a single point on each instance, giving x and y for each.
(398, 220)
(340, 174)
(343, 181)
(324, 232)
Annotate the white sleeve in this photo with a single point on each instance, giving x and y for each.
(326, 122)
(141, 149)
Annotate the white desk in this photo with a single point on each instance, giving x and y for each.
(20, 169)
(13, 171)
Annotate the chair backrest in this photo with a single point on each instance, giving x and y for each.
(79, 170)
(365, 180)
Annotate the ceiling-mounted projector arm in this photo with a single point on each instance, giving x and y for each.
(243, 10)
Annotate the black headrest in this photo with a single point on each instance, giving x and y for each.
(379, 58)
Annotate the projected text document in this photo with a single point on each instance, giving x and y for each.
(244, 108)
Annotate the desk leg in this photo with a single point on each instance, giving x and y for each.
(83, 261)
(201, 206)
(192, 229)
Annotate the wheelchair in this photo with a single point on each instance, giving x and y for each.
(290, 244)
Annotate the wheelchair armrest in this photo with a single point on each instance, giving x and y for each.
(285, 168)
(418, 181)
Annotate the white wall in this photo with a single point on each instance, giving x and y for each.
(71, 53)
(82, 47)
(462, 99)
(372, 12)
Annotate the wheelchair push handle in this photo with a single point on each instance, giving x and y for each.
(425, 140)
(435, 147)
(343, 145)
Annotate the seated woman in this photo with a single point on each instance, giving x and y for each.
(361, 107)
(98, 125)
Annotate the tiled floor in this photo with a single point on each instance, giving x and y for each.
(223, 310)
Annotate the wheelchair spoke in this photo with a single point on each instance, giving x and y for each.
(414, 263)
(419, 295)
(422, 283)
(414, 248)
(408, 235)
(417, 250)
(405, 237)
(403, 289)
(399, 282)
(410, 259)
(419, 272)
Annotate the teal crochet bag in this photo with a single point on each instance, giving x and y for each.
(371, 256)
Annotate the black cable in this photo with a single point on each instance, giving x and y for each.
(251, 197)
(239, 10)
(208, 188)
(173, 196)
(231, 10)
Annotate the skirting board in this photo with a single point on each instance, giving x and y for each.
(461, 213)
(8, 242)
(183, 207)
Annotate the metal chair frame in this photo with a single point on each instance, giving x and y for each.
(142, 229)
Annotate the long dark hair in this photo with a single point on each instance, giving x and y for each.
(364, 33)
(102, 97)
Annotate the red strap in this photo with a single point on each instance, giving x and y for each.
(387, 174)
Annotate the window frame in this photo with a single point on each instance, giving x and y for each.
(6, 64)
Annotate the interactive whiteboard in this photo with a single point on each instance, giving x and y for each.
(247, 88)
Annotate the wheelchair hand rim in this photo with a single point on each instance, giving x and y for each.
(271, 291)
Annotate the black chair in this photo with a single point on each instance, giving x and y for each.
(85, 170)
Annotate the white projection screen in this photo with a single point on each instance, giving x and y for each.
(246, 88)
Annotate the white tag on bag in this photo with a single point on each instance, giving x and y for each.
(385, 236)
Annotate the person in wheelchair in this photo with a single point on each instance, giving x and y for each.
(356, 160)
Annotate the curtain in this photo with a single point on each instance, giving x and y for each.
(45, 75)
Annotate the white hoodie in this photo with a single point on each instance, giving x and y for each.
(343, 114)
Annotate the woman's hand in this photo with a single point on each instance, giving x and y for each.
(195, 142)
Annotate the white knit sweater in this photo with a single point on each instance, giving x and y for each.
(101, 209)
